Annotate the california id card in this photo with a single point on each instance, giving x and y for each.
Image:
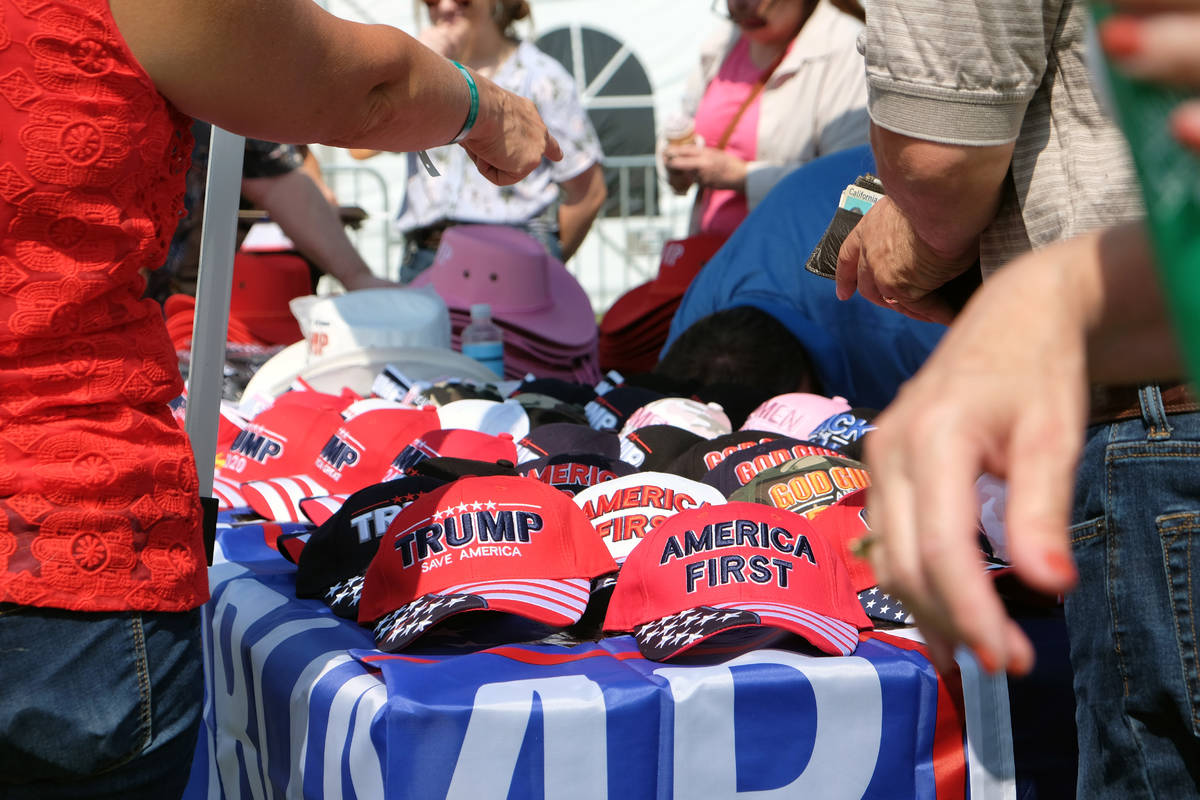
(856, 200)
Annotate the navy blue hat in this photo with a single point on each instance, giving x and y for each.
(451, 468)
(846, 431)
(567, 437)
(609, 411)
(543, 409)
(574, 472)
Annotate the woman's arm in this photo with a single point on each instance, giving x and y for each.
(288, 71)
(584, 197)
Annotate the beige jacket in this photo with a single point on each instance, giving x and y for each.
(814, 104)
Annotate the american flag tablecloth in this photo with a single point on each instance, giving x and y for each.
(298, 704)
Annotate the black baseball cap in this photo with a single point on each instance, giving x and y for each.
(706, 454)
(654, 448)
(332, 563)
(741, 467)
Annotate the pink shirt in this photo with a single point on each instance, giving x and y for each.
(722, 210)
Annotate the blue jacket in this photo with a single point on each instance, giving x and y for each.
(862, 352)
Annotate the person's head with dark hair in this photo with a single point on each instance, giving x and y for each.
(743, 347)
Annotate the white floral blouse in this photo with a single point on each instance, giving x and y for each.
(461, 194)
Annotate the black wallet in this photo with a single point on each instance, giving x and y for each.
(824, 257)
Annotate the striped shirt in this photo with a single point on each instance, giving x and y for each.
(987, 72)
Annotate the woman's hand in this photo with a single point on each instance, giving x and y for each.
(707, 166)
(1155, 40)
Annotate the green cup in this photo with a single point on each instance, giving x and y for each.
(1169, 175)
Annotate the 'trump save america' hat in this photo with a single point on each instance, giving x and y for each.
(333, 561)
(506, 544)
(735, 566)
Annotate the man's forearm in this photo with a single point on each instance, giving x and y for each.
(949, 193)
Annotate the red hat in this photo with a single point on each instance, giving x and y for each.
(635, 327)
(453, 443)
(497, 543)
(263, 283)
(735, 566)
(356, 455)
(843, 524)
(228, 494)
(320, 509)
(280, 441)
(681, 262)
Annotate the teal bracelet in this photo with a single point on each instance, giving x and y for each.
(474, 112)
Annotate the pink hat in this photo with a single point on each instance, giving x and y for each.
(703, 419)
(795, 414)
(511, 271)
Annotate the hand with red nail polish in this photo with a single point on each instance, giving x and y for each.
(1006, 393)
(1155, 40)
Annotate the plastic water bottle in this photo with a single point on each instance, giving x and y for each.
(483, 340)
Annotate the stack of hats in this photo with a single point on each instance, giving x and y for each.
(468, 520)
(544, 313)
(635, 327)
(263, 284)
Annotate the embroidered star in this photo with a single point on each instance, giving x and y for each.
(476, 506)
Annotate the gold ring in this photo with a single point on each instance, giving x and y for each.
(861, 547)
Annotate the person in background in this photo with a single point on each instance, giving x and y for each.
(858, 350)
(778, 85)
(479, 34)
(1024, 383)
(284, 181)
(102, 562)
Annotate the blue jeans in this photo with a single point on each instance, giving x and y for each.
(1133, 620)
(98, 704)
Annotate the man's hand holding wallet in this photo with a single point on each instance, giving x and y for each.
(923, 285)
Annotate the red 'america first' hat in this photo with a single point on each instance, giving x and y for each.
(736, 566)
(843, 523)
(506, 544)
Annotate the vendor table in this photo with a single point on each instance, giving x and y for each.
(299, 704)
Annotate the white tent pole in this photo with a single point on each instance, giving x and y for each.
(218, 237)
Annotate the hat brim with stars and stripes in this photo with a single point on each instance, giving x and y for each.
(711, 579)
(541, 570)
(844, 523)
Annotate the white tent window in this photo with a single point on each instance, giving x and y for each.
(619, 99)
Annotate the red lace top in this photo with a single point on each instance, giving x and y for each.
(98, 491)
